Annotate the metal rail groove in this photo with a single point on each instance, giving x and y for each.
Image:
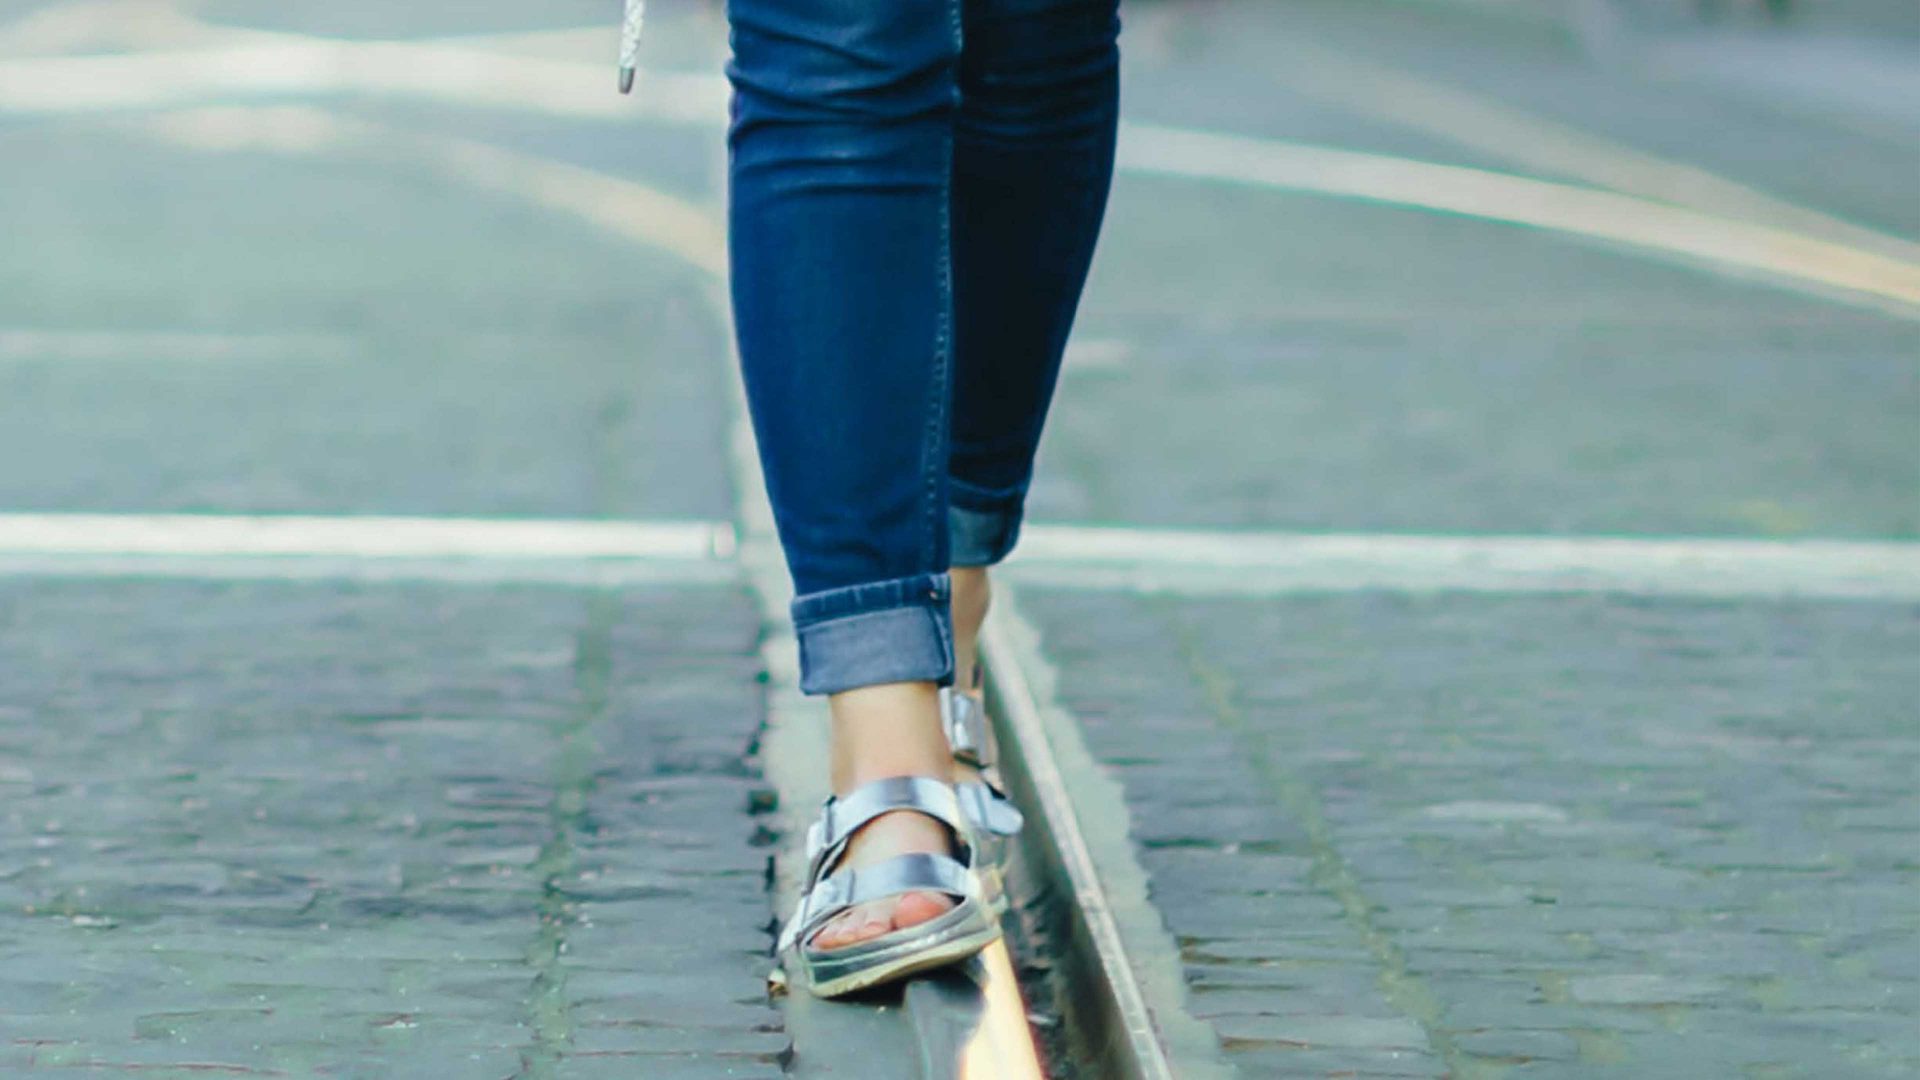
(1107, 1011)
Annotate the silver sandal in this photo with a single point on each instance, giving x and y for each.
(952, 936)
(989, 808)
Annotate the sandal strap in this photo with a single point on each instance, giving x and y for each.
(990, 807)
(840, 816)
(911, 872)
(966, 725)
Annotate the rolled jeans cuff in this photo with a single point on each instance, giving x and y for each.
(981, 537)
(897, 630)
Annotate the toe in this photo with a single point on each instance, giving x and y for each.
(877, 919)
(919, 907)
(841, 930)
(830, 934)
(856, 924)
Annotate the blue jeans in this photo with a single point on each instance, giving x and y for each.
(914, 191)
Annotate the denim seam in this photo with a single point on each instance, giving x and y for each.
(1003, 525)
(935, 452)
(902, 592)
(982, 500)
(998, 514)
(856, 616)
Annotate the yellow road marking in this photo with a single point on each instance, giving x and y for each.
(642, 214)
(1471, 120)
(1605, 215)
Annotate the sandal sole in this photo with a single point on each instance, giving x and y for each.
(945, 939)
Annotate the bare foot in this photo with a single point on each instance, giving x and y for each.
(891, 729)
(895, 832)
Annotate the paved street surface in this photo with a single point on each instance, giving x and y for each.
(394, 831)
(363, 828)
(1569, 834)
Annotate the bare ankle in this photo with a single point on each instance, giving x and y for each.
(886, 730)
(972, 594)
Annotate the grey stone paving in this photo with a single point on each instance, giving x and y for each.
(1522, 836)
(1272, 359)
(368, 830)
(247, 332)
(1328, 365)
(380, 831)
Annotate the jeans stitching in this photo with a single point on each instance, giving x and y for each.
(936, 452)
(912, 590)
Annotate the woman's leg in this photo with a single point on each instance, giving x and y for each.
(1033, 161)
(841, 149)
(842, 181)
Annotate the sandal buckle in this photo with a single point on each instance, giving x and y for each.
(966, 726)
(816, 840)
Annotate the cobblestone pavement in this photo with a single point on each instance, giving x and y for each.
(277, 829)
(1521, 836)
(1487, 836)
(373, 830)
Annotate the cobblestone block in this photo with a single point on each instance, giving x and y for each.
(1323, 1032)
(1640, 990)
(1519, 1046)
(1303, 992)
(1337, 1063)
(1275, 950)
(666, 1066)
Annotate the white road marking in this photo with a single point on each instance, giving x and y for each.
(164, 345)
(291, 64)
(1097, 354)
(361, 537)
(1273, 563)
(1196, 562)
(479, 573)
(578, 44)
(105, 25)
